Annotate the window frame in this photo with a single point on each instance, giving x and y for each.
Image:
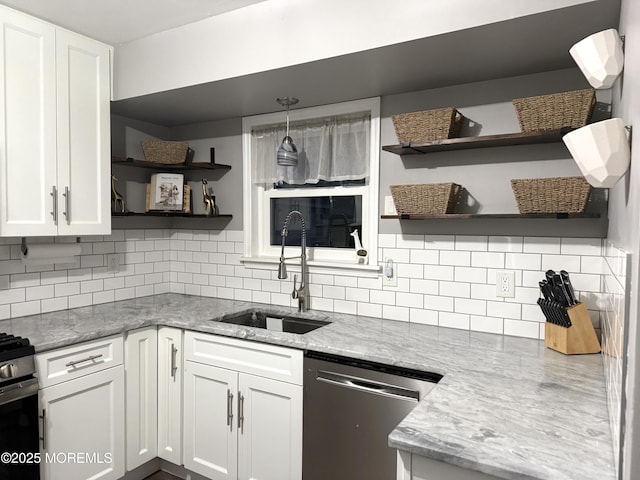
(258, 253)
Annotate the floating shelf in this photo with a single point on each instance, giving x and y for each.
(130, 162)
(465, 143)
(167, 214)
(452, 216)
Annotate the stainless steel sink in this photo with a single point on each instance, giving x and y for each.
(275, 322)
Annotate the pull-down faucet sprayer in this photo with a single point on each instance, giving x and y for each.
(302, 292)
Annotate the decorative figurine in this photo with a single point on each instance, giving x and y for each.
(117, 200)
(210, 207)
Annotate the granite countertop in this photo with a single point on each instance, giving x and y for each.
(506, 406)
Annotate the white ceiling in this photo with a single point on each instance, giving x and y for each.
(120, 21)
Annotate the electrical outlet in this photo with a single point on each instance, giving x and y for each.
(113, 262)
(506, 283)
(389, 274)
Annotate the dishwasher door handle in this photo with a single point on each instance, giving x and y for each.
(366, 385)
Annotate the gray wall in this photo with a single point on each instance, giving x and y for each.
(624, 230)
(485, 173)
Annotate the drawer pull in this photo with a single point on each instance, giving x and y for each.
(174, 366)
(44, 429)
(240, 412)
(229, 410)
(90, 358)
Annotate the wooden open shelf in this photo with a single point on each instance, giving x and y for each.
(451, 216)
(167, 214)
(464, 143)
(168, 166)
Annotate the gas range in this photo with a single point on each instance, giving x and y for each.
(16, 359)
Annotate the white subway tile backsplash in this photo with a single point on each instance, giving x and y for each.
(470, 306)
(425, 257)
(505, 244)
(439, 272)
(454, 320)
(470, 274)
(541, 245)
(430, 287)
(472, 243)
(370, 310)
(487, 324)
(442, 279)
(520, 328)
(439, 242)
(455, 258)
(581, 246)
(438, 302)
(395, 313)
(425, 317)
(570, 263)
(413, 300)
(410, 241)
(455, 289)
(504, 310)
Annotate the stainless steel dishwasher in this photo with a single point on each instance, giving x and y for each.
(350, 407)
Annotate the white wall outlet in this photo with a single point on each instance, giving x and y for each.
(389, 274)
(389, 206)
(506, 283)
(113, 262)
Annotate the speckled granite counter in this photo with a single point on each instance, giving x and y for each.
(506, 406)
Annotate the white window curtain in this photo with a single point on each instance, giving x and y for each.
(330, 149)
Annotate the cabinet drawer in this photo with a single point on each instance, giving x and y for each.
(76, 361)
(269, 361)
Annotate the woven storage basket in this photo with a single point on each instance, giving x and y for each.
(428, 125)
(558, 110)
(425, 199)
(160, 151)
(551, 195)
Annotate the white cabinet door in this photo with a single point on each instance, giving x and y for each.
(170, 379)
(83, 427)
(84, 141)
(141, 381)
(27, 139)
(210, 431)
(270, 439)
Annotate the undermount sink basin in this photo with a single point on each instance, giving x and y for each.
(275, 322)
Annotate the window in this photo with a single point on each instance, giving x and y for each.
(334, 186)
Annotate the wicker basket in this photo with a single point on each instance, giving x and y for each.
(160, 151)
(558, 110)
(551, 195)
(425, 199)
(428, 125)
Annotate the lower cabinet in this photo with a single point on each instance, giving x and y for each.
(238, 422)
(170, 375)
(141, 381)
(415, 467)
(82, 407)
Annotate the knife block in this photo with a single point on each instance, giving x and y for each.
(579, 338)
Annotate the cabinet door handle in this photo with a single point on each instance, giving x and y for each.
(66, 213)
(90, 358)
(240, 412)
(174, 367)
(229, 409)
(54, 212)
(44, 428)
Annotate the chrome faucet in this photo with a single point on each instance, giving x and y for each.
(301, 293)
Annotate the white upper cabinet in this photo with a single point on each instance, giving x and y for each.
(54, 131)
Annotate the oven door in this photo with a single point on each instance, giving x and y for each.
(19, 436)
